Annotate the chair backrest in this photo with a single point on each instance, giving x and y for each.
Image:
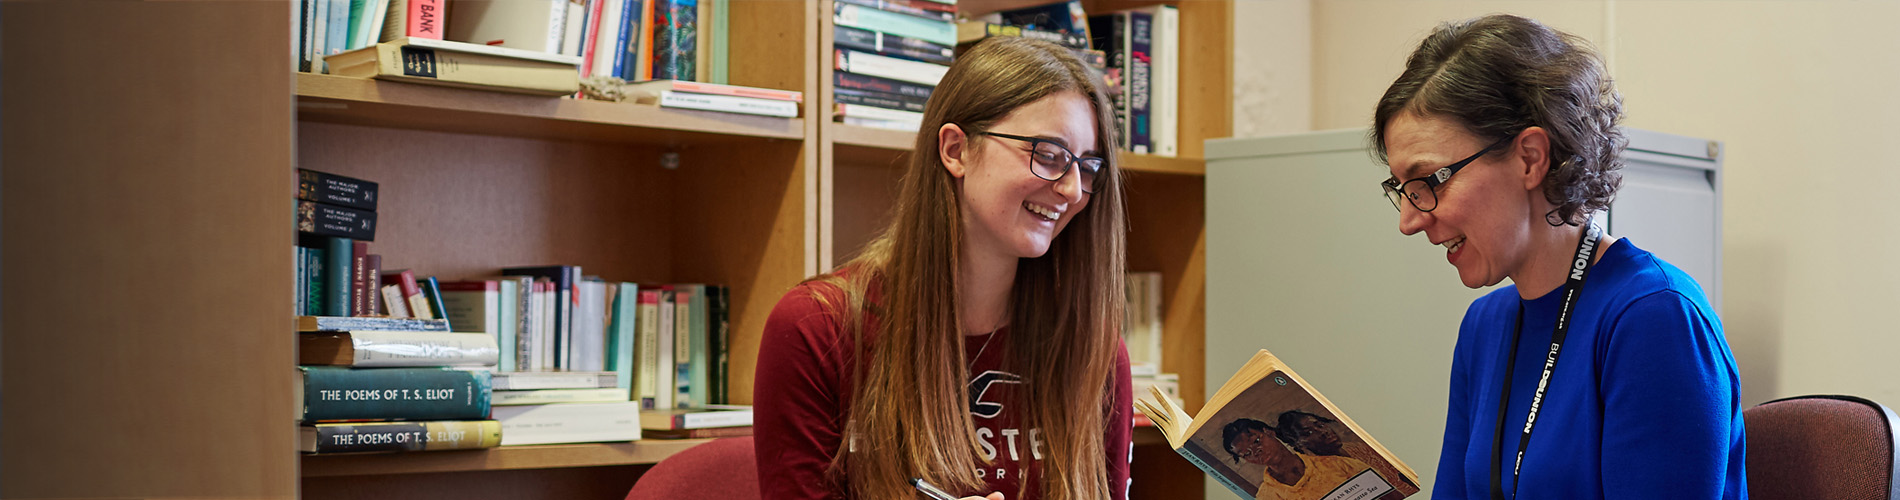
(1821, 447)
(723, 469)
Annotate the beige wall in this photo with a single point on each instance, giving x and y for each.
(1796, 89)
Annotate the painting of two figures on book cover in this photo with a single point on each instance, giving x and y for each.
(1276, 441)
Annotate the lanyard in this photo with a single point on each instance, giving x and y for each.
(1579, 269)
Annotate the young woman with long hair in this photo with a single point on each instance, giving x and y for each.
(975, 343)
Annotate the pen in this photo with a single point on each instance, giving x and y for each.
(930, 491)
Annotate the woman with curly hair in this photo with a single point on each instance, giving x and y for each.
(1501, 139)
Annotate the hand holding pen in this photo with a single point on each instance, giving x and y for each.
(936, 494)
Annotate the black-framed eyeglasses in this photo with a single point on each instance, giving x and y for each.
(1421, 192)
(1050, 161)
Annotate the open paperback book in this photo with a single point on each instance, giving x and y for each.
(1269, 435)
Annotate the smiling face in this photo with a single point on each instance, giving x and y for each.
(1484, 212)
(1006, 209)
(1316, 436)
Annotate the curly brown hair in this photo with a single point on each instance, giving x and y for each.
(1501, 74)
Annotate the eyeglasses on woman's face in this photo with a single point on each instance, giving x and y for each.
(1421, 192)
(1050, 161)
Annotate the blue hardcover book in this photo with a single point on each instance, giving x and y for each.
(338, 37)
(627, 64)
(1066, 17)
(332, 393)
(675, 39)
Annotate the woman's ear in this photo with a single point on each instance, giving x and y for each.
(951, 144)
(1532, 148)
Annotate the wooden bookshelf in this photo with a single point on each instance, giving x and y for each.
(644, 452)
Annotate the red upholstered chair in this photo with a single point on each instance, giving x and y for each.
(1821, 448)
(723, 469)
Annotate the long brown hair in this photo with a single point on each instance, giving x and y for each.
(910, 411)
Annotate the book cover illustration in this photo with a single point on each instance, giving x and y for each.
(1268, 435)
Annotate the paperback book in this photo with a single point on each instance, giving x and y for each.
(1268, 434)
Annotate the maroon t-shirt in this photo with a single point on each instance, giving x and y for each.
(802, 395)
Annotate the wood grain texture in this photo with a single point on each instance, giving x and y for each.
(1207, 74)
(743, 216)
(1160, 473)
(644, 452)
(363, 101)
(147, 252)
(867, 196)
(1167, 218)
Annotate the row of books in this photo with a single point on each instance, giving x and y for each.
(629, 39)
(1141, 322)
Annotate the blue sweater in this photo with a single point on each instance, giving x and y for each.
(1644, 403)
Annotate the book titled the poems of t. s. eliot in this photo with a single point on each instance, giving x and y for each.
(335, 393)
(1267, 434)
(359, 437)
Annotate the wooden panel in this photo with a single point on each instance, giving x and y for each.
(580, 483)
(869, 137)
(772, 44)
(457, 206)
(144, 214)
(363, 101)
(743, 217)
(1207, 76)
(1167, 233)
(1159, 473)
(644, 452)
(867, 198)
(1162, 164)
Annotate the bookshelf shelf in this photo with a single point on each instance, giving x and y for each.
(644, 452)
(363, 101)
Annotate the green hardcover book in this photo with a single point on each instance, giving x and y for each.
(432, 291)
(313, 281)
(333, 393)
(336, 276)
(620, 334)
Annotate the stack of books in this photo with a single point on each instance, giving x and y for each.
(888, 56)
(564, 407)
(336, 220)
(375, 384)
(714, 421)
(330, 27)
(685, 94)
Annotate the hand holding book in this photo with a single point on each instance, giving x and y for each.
(1267, 434)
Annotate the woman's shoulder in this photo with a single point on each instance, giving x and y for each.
(1640, 278)
(818, 305)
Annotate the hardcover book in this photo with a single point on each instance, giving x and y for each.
(519, 381)
(892, 45)
(973, 31)
(675, 39)
(466, 65)
(358, 437)
(706, 433)
(1268, 434)
(384, 348)
(365, 323)
(846, 80)
(334, 393)
(696, 418)
(330, 220)
(335, 189)
(548, 396)
(569, 423)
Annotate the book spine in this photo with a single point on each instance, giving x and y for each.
(900, 125)
(865, 63)
(647, 375)
(575, 29)
(626, 38)
(877, 113)
(335, 189)
(683, 347)
(547, 396)
(313, 293)
(529, 381)
(700, 420)
(892, 45)
(331, 220)
(369, 324)
(1069, 40)
(626, 305)
(394, 304)
(337, 39)
(432, 291)
(336, 277)
(300, 24)
(1140, 80)
(904, 8)
(664, 384)
(845, 80)
(640, 63)
(734, 91)
(303, 277)
(425, 18)
(568, 423)
(722, 338)
(940, 32)
(721, 58)
(359, 14)
(674, 39)
(336, 393)
(701, 365)
(590, 39)
(372, 283)
(407, 436)
(729, 104)
(526, 322)
(556, 29)
(372, 349)
(1194, 458)
(878, 99)
(359, 278)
